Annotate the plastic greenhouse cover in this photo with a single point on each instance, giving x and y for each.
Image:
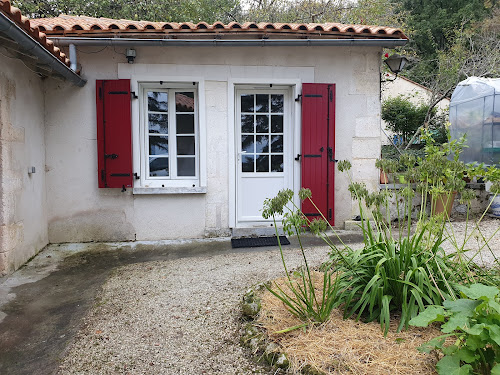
(474, 88)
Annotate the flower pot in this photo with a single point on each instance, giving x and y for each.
(495, 206)
(442, 203)
(384, 178)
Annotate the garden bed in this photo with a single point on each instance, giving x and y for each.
(344, 346)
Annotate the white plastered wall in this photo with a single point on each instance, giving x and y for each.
(23, 209)
(79, 211)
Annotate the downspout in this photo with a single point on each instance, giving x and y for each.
(11, 29)
(129, 42)
(72, 57)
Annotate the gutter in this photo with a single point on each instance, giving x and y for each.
(131, 42)
(11, 29)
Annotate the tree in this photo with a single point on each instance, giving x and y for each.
(149, 10)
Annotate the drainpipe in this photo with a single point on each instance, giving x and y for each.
(72, 57)
(130, 42)
(12, 30)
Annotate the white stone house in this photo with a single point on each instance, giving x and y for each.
(187, 138)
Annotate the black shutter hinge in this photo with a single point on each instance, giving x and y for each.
(298, 157)
(297, 99)
(110, 156)
(137, 177)
(134, 95)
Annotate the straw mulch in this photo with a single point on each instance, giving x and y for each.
(345, 346)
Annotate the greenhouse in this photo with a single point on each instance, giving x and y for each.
(475, 111)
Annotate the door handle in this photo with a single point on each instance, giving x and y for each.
(330, 154)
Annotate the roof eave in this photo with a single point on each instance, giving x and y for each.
(216, 42)
(30, 45)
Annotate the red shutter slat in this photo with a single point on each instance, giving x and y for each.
(318, 136)
(114, 133)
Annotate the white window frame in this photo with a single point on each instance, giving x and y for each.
(171, 184)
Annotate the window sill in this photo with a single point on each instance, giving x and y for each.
(170, 190)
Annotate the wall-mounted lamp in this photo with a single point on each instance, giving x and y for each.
(131, 55)
(396, 63)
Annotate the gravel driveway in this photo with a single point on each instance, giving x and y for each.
(182, 316)
(175, 317)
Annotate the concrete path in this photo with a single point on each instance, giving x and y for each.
(42, 304)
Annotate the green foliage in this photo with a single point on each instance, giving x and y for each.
(301, 298)
(474, 322)
(404, 117)
(149, 10)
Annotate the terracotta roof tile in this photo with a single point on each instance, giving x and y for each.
(85, 26)
(24, 23)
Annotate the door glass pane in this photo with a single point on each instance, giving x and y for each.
(158, 145)
(185, 145)
(262, 103)
(158, 166)
(277, 124)
(247, 103)
(277, 143)
(247, 162)
(186, 167)
(263, 163)
(184, 101)
(277, 103)
(247, 143)
(185, 124)
(158, 123)
(276, 163)
(262, 144)
(247, 123)
(157, 101)
(262, 124)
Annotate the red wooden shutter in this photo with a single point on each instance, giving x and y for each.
(318, 148)
(114, 133)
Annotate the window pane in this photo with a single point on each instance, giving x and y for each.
(262, 144)
(186, 167)
(277, 124)
(184, 101)
(158, 145)
(277, 143)
(185, 146)
(247, 123)
(247, 163)
(263, 163)
(158, 166)
(158, 123)
(157, 101)
(277, 103)
(262, 104)
(247, 103)
(276, 163)
(185, 124)
(262, 124)
(247, 143)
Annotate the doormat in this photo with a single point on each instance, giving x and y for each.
(258, 241)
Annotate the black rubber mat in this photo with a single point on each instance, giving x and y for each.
(258, 241)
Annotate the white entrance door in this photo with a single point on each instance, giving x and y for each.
(264, 151)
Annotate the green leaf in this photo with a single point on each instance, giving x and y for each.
(435, 343)
(477, 291)
(495, 305)
(465, 306)
(466, 355)
(475, 329)
(495, 333)
(450, 365)
(429, 315)
(457, 321)
(496, 369)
